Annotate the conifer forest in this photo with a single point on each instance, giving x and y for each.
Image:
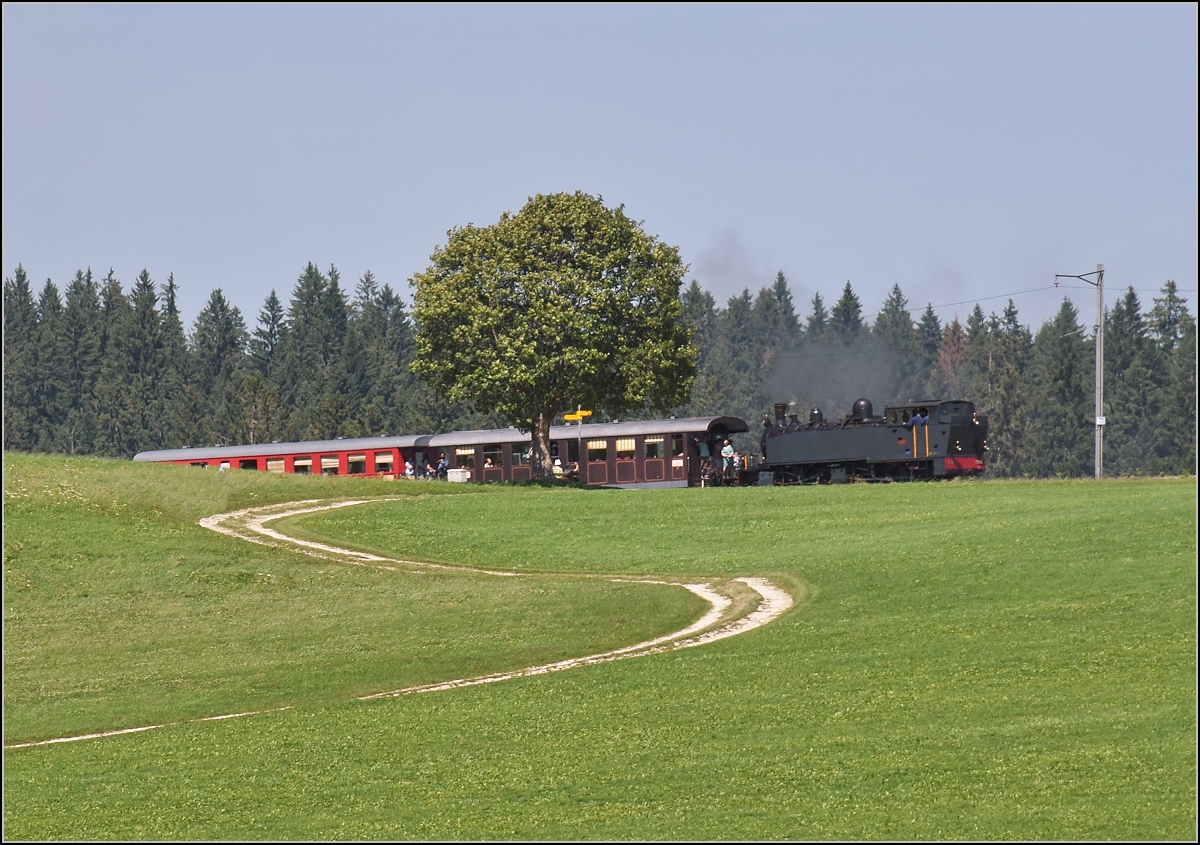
(101, 368)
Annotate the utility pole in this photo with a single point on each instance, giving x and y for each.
(1099, 338)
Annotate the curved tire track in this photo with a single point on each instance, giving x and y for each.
(725, 617)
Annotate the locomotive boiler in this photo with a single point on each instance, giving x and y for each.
(930, 439)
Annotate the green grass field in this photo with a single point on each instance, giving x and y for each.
(983, 660)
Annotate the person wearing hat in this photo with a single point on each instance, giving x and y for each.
(558, 470)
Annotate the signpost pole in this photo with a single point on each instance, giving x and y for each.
(578, 417)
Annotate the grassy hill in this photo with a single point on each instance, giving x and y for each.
(992, 660)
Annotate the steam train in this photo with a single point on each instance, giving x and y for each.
(915, 440)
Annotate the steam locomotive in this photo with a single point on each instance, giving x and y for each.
(930, 439)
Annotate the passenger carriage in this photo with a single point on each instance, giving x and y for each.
(375, 456)
(641, 453)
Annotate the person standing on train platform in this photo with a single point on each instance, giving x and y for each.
(726, 458)
(703, 452)
(443, 467)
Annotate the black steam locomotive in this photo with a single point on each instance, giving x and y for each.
(916, 440)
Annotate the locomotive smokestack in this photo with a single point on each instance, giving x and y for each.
(780, 411)
(815, 416)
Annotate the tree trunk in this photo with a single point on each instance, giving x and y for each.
(543, 464)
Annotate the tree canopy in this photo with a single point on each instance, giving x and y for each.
(565, 303)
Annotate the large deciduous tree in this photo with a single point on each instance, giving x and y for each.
(566, 302)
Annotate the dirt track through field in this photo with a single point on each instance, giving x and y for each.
(730, 612)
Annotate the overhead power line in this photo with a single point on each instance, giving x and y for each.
(978, 299)
(971, 301)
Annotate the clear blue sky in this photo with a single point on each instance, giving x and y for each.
(959, 151)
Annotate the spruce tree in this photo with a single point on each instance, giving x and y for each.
(385, 397)
(83, 332)
(699, 315)
(147, 366)
(975, 377)
(173, 426)
(1168, 318)
(896, 335)
(311, 347)
(265, 342)
(775, 330)
(1061, 426)
(845, 320)
(22, 410)
(929, 338)
(1132, 389)
(218, 341)
(818, 320)
(114, 437)
(1008, 407)
(218, 346)
(1172, 331)
(775, 316)
(730, 382)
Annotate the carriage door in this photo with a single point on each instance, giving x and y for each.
(597, 461)
(654, 464)
(679, 468)
(626, 460)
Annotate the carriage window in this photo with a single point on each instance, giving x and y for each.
(677, 445)
(520, 456)
(329, 465)
(275, 465)
(465, 457)
(492, 451)
(573, 451)
(303, 466)
(597, 450)
(625, 448)
(383, 461)
(248, 463)
(201, 464)
(654, 446)
(357, 464)
(554, 449)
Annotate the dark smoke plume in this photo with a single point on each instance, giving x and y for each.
(831, 376)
